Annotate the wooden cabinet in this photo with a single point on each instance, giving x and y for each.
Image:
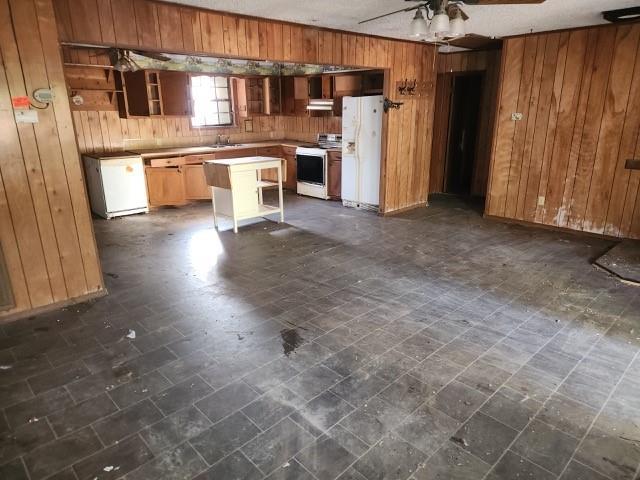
(96, 87)
(295, 95)
(258, 96)
(320, 86)
(165, 186)
(143, 93)
(150, 93)
(195, 183)
(176, 96)
(291, 167)
(273, 104)
(272, 173)
(178, 180)
(334, 175)
(254, 94)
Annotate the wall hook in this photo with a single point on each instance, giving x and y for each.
(391, 104)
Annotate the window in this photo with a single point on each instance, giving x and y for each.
(211, 101)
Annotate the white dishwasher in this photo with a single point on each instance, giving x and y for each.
(116, 183)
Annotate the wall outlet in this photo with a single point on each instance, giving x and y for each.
(541, 201)
(516, 117)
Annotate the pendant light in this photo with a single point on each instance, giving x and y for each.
(440, 23)
(419, 26)
(456, 26)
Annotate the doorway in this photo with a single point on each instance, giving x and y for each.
(466, 94)
(461, 136)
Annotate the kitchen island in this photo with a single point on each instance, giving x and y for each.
(237, 187)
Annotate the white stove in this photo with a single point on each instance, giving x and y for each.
(311, 171)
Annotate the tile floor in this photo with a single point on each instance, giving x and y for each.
(430, 345)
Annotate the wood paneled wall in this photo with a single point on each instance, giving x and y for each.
(448, 65)
(106, 131)
(152, 25)
(563, 164)
(45, 226)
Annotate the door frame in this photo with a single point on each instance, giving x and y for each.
(442, 127)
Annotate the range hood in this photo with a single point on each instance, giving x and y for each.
(325, 104)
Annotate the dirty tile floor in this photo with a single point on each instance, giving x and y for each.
(431, 345)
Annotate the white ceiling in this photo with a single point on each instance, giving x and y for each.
(488, 20)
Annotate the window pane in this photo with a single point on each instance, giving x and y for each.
(222, 93)
(210, 96)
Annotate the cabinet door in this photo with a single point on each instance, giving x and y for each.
(165, 186)
(176, 99)
(244, 190)
(195, 183)
(334, 180)
(292, 168)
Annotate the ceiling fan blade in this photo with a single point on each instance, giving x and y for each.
(408, 9)
(502, 2)
(154, 56)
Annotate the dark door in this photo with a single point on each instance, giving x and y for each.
(463, 127)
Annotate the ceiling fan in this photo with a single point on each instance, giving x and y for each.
(122, 61)
(446, 16)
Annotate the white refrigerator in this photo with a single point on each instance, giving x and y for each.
(361, 151)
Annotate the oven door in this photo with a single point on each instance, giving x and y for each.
(310, 169)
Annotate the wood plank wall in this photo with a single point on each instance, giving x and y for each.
(563, 164)
(451, 63)
(45, 226)
(106, 131)
(153, 25)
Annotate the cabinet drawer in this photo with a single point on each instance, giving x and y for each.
(270, 152)
(167, 162)
(198, 159)
(289, 151)
(335, 156)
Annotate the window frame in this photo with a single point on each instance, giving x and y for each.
(232, 101)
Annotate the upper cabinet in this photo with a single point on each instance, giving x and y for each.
(258, 96)
(295, 95)
(150, 93)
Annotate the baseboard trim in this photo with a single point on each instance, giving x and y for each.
(404, 209)
(551, 228)
(14, 316)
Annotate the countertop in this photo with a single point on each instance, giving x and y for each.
(153, 153)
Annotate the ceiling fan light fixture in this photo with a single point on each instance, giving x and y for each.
(419, 26)
(456, 26)
(440, 24)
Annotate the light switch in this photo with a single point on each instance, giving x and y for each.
(541, 201)
(516, 117)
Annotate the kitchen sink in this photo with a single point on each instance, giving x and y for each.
(222, 145)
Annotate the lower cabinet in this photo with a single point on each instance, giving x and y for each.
(291, 182)
(334, 175)
(165, 186)
(178, 180)
(195, 183)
